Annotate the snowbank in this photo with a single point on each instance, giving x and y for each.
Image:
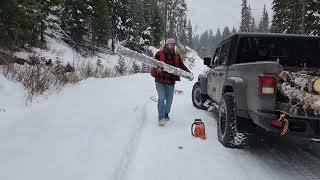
(58, 50)
(12, 101)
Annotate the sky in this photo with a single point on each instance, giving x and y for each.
(214, 14)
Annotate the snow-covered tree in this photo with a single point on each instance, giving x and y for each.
(189, 34)
(279, 16)
(246, 18)
(264, 21)
(253, 25)
(218, 36)
(174, 13)
(121, 66)
(295, 16)
(100, 21)
(20, 23)
(288, 16)
(183, 36)
(234, 30)
(135, 67)
(312, 17)
(75, 18)
(226, 32)
(47, 8)
(157, 25)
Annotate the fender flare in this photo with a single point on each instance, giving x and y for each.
(203, 79)
(237, 85)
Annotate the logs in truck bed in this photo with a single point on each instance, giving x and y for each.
(299, 93)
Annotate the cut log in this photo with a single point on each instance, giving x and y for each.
(301, 80)
(302, 90)
(316, 86)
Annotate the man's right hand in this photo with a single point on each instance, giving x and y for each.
(160, 69)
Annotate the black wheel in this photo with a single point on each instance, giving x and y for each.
(198, 99)
(226, 124)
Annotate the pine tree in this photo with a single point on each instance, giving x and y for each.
(121, 66)
(211, 45)
(291, 16)
(121, 16)
(135, 68)
(75, 20)
(183, 38)
(20, 23)
(287, 17)
(245, 17)
(190, 34)
(46, 8)
(100, 11)
(174, 14)
(264, 22)
(157, 25)
(234, 30)
(218, 36)
(181, 21)
(253, 25)
(226, 32)
(312, 19)
(147, 8)
(147, 26)
(295, 16)
(141, 33)
(279, 16)
(196, 42)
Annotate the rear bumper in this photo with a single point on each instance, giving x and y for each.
(302, 127)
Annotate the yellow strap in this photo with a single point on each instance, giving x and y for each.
(285, 129)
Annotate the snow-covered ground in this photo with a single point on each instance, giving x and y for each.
(107, 129)
(57, 50)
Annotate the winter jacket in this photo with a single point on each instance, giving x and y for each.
(164, 77)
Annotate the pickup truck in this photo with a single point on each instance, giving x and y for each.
(241, 85)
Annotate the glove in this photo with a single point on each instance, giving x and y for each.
(160, 69)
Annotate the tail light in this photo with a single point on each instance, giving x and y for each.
(267, 85)
(277, 123)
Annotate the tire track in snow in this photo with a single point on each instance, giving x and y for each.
(286, 154)
(130, 148)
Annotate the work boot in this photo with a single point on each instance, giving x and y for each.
(162, 121)
(166, 117)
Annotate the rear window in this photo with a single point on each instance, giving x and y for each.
(289, 52)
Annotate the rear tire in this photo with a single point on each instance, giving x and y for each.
(198, 99)
(226, 124)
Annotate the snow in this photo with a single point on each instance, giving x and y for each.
(107, 129)
(317, 104)
(12, 102)
(57, 50)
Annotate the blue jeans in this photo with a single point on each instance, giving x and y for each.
(165, 97)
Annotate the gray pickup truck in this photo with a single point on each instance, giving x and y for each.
(241, 85)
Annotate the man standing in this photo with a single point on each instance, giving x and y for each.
(165, 81)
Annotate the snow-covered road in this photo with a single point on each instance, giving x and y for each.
(107, 129)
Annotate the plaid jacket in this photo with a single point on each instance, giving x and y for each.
(164, 77)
